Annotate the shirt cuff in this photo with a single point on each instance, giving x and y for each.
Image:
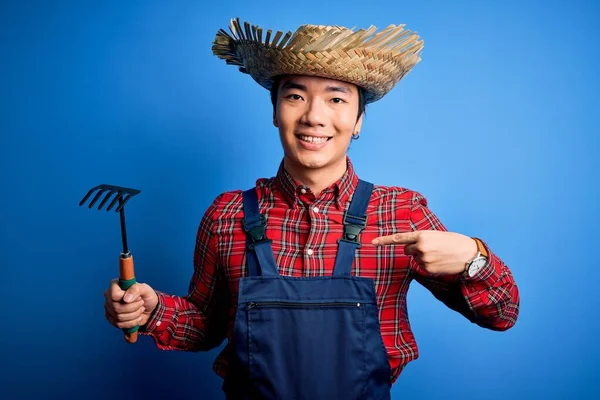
(161, 317)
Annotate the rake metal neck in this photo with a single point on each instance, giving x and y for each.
(123, 231)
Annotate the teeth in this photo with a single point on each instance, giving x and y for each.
(312, 139)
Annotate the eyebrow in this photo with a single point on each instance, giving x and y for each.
(293, 85)
(337, 89)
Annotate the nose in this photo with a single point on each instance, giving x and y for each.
(314, 115)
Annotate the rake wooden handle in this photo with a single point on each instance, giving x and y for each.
(126, 280)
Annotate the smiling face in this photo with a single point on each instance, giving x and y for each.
(316, 118)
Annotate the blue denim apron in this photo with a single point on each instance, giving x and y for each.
(298, 338)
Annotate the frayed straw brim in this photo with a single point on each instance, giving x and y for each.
(374, 61)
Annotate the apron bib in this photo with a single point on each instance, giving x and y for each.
(298, 338)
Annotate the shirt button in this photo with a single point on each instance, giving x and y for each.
(316, 209)
(157, 323)
(303, 191)
(309, 252)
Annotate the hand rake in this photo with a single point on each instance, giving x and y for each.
(126, 272)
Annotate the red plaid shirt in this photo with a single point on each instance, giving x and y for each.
(305, 230)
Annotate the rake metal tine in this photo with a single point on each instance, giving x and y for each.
(112, 203)
(96, 198)
(89, 193)
(125, 200)
(110, 193)
(122, 193)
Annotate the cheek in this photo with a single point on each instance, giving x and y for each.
(286, 119)
(346, 122)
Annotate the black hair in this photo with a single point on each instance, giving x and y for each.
(275, 91)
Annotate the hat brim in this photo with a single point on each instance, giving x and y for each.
(373, 61)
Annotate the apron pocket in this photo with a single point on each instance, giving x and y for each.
(307, 350)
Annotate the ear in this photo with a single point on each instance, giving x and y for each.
(275, 121)
(358, 125)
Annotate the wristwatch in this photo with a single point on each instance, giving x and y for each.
(481, 259)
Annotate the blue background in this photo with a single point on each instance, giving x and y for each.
(497, 127)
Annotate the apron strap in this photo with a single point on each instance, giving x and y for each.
(355, 220)
(260, 259)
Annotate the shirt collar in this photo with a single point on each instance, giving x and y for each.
(297, 195)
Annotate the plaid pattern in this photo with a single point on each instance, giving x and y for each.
(304, 230)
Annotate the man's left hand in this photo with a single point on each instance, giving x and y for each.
(438, 252)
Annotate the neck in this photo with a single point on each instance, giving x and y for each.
(317, 179)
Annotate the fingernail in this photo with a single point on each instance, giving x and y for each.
(128, 297)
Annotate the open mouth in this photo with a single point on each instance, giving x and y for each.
(313, 139)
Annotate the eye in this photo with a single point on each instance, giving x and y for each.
(337, 100)
(294, 97)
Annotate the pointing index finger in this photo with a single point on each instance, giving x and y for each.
(397, 238)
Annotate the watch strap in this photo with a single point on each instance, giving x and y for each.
(481, 247)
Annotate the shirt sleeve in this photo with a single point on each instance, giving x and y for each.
(490, 299)
(198, 320)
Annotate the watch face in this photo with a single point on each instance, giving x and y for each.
(476, 265)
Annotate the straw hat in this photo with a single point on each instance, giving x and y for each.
(374, 61)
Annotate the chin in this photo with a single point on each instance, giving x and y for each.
(313, 161)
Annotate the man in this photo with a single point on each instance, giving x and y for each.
(306, 274)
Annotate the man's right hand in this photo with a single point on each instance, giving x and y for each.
(126, 309)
